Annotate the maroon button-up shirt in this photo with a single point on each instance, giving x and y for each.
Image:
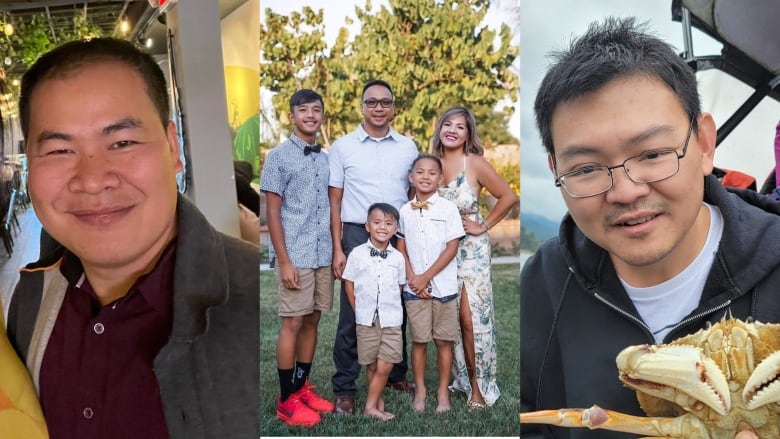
(97, 378)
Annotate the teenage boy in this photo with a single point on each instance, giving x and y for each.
(430, 228)
(295, 182)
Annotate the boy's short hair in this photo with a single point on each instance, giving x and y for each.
(305, 96)
(426, 156)
(385, 208)
(374, 82)
(76, 55)
(610, 50)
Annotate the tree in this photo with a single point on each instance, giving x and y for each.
(294, 56)
(434, 53)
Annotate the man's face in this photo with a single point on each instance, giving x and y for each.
(379, 117)
(661, 224)
(102, 167)
(307, 119)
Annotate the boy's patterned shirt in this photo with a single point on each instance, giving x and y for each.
(302, 182)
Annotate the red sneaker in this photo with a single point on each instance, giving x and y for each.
(316, 402)
(294, 412)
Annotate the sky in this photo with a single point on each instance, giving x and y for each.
(550, 24)
(336, 11)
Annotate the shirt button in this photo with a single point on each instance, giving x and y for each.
(98, 328)
(88, 413)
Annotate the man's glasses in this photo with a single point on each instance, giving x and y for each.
(648, 167)
(372, 103)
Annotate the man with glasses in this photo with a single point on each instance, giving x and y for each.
(369, 165)
(652, 247)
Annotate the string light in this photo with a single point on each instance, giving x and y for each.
(124, 26)
(8, 29)
(148, 43)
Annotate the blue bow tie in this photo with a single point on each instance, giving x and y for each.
(382, 254)
(310, 149)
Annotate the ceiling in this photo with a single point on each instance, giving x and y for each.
(106, 14)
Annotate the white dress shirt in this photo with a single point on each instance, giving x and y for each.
(377, 282)
(427, 232)
(370, 171)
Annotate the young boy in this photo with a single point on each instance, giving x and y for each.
(374, 275)
(430, 228)
(295, 182)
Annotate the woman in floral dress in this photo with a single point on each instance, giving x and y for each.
(466, 173)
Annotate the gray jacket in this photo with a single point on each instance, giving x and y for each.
(208, 370)
(575, 315)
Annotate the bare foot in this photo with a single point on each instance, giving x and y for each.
(443, 402)
(389, 415)
(380, 405)
(419, 399)
(378, 414)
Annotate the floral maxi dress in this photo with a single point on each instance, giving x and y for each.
(475, 275)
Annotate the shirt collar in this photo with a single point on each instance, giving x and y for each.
(431, 200)
(389, 246)
(363, 135)
(297, 141)
(153, 286)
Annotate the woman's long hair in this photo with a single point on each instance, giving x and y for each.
(472, 145)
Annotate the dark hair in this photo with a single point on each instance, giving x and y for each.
(75, 55)
(374, 82)
(473, 144)
(305, 96)
(609, 50)
(426, 156)
(384, 208)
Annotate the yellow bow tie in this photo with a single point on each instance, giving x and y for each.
(419, 204)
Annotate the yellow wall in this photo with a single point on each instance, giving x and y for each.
(241, 85)
(241, 58)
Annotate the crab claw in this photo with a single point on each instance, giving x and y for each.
(595, 417)
(681, 374)
(763, 386)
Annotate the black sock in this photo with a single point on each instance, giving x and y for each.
(301, 374)
(286, 383)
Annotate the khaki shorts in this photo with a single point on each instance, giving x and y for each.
(315, 292)
(430, 319)
(377, 343)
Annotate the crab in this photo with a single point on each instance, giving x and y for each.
(712, 384)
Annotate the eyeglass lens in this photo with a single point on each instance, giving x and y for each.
(372, 103)
(646, 168)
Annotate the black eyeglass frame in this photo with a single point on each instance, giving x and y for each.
(380, 102)
(623, 165)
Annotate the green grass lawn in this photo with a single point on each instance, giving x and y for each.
(500, 420)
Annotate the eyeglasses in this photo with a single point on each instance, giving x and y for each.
(385, 103)
(648, 167)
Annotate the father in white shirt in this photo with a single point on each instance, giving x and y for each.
(367, 166)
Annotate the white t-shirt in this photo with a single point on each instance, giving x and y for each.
(665, 305)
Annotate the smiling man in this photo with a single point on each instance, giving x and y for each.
(143, 321)
(369, 165)
(653, 247)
